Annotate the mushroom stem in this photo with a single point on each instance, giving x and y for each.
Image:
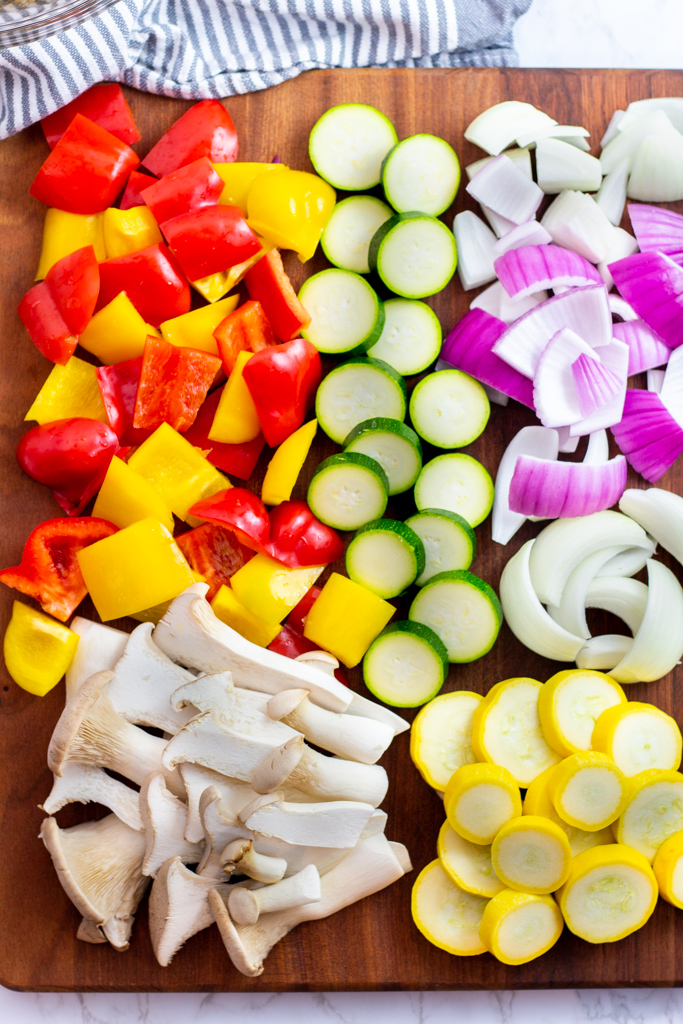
(358, 739)
(220, 829)
(325, 778)
(234, 795)
(179, 908)
(247, 905)
(337, 823)
(240, 856)
(164, 817)
(84, 783)
(99, 648)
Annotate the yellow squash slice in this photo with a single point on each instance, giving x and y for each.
(531, 854)
(668, 869)
(538, 801)
(479, 799)
(447, 916)
(569, 704)
(441, 736)
(468, 865)
(519, 926)
(588, 790)
(638, 737)
(654, 811)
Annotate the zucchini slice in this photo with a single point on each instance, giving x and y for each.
(406, 665)
(346, 314)
(348, 144)
(385, 556)
(394, 445)
(462, 610)
(457, 483)
(448, 539)
(348, 490)
(359, 389)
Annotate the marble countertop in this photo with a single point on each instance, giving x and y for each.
(554, 33)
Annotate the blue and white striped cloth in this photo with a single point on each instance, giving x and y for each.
(195, 49)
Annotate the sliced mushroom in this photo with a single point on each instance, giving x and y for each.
(241, 857)
(235, 795)
(99, 866)
(372, 865)
(98, 650)
(247, 905)
(164, 817)
(358, 739)
(179, 908)
(325, 778)
(337, 823)
(220, 829)
(85, 783)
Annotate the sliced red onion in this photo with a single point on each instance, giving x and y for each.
(576, 222)
(615, 357)
(469, 347)
(620, 307)
(568, 444)
(560, 165)
(500, 225)
(595, 383)
(672, 386)
(535, 441)
(597, 449)
(531, 233)
(533, 268)
(611, 197)
(645, 349)
(655, 379)
(555, 396)
(656, 229)
(653, 284)
(476, 254)
(496, 301)
(648, 435)
(502, 187)
(565, 490)
(583, 310)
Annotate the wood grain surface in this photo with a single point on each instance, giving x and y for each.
(372, 945)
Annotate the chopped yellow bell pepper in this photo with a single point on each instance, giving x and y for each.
(38, 650)
(346, 618)
(215, 483)
(157, 613)
(70, 390)
(238, 179)
(290, 209)
(126, 497)
(269, 589)
(134, 569)
(64, 233)
(195, 329)
(179, 472)
(116, 332)
(215, 286)
(129, 230)
(231, 611)
(236, 419)
(285, 466)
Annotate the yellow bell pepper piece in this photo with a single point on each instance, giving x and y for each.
(134, 569)
(269, 589)
(213, 484)
(195, 329)
(116, 332)
(231, 611)
(70, 390)
(129, 230)
(215, 286)
(126, 497)
(238, 179)
(346, 618)
(64, 233)
(285, 466)
(179, 472)
(236, 419)
(290, 209)
(157, 613)
(38, 650)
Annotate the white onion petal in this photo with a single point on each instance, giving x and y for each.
(476, 254)
(658, 644)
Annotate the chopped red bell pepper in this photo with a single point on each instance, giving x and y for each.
(73, 500)
(235, 459)
(239, 510)
(268, 283)
(210, 240)
(137, 183)
(152, 280)
(66, 455)
(291, 644)
(173, 384)
(206, 129)
(296, 619)
(298, 539)
(192, 187)
(215, 552)
(246, 329)
(86, 170)
(104, 104)
(118, 385)
(55, 311)
(49, 569)
(282, 381)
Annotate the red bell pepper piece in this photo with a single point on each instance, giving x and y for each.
(296, 619)
(241, 511)
(55, 311)
(298, 539)
(118, 385)
(282, 381)
(214, 552)
(268, 283)
(210, 240)
(153, 281)
(291, 644)
(192, 187)
(206, 129)
(49, 569)
(173, 384)
(104, 104)
(235, 459)
(246, 329)
(137, 183)
(86, 170)
(73, 500)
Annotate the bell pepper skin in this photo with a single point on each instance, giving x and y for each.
(129, 230)
(237, 180)
(239, 510)
(173, 384)
(206, 129)
(153, 281)
(64, 233)
(228, 609)
(236, 419)
(69, 390)
(125, 498)
(298, 539)
(49, 570)
(196, 328)
(210, 240)
(270, 590)
(291, 209)
(285, 466)
(235, 459)
(268, 283)
(104, 104)
(346, 618)
(117, 332)
(118, 385)
(245, 330)
(215, 553)
(86, 170)
(137, 568)
(37, 650)
(137, 183)
(66, 455)
(55, 311)
(296, 619)
(282, 381)
(186, 190)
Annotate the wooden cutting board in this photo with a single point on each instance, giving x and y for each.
(372, 945)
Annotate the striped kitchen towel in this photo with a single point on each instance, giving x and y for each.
(211, 48)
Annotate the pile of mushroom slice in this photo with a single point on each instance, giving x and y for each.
(589, 562)
(239, 818)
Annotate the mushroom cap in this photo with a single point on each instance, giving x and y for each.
(84, 783)
(178, 907)
(164, 817)
(72, 717)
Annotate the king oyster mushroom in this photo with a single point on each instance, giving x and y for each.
(179, 908)
(85, 783)
(337, 823)
(164, 817)
(241, 857)
(247, 905)
(98, 650)
(220, 829)
(196, 779)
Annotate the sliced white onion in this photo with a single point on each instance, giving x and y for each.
(660, 513)
(571, 611)
(500, 225)
(629, 561)
(476, 254)
(627, 141)
(521, 157)
(620, 307)
(498, 126)
(576, 221)
(536, 441)
(503, 188)
(672, 386)
(555, 396)
(655, 379)
(658, 644)
(568, 444)
(531, 233)
(560, 166)
(526, 616)
(611, 197)
(615, 358)
(494, 395)
(597, 450)
(579, 142)
(612, 128)
(672, 106)
(496, 301)
(657, 169)
(623, 597)
(552, 131)
(602, 653)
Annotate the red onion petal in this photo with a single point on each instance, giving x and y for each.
(645, 349)
(595, 383)
(615, 357)
(656, 229)
(469, 347)
(653, 284)
(532, 268)
(648, 435)
(565, 489)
